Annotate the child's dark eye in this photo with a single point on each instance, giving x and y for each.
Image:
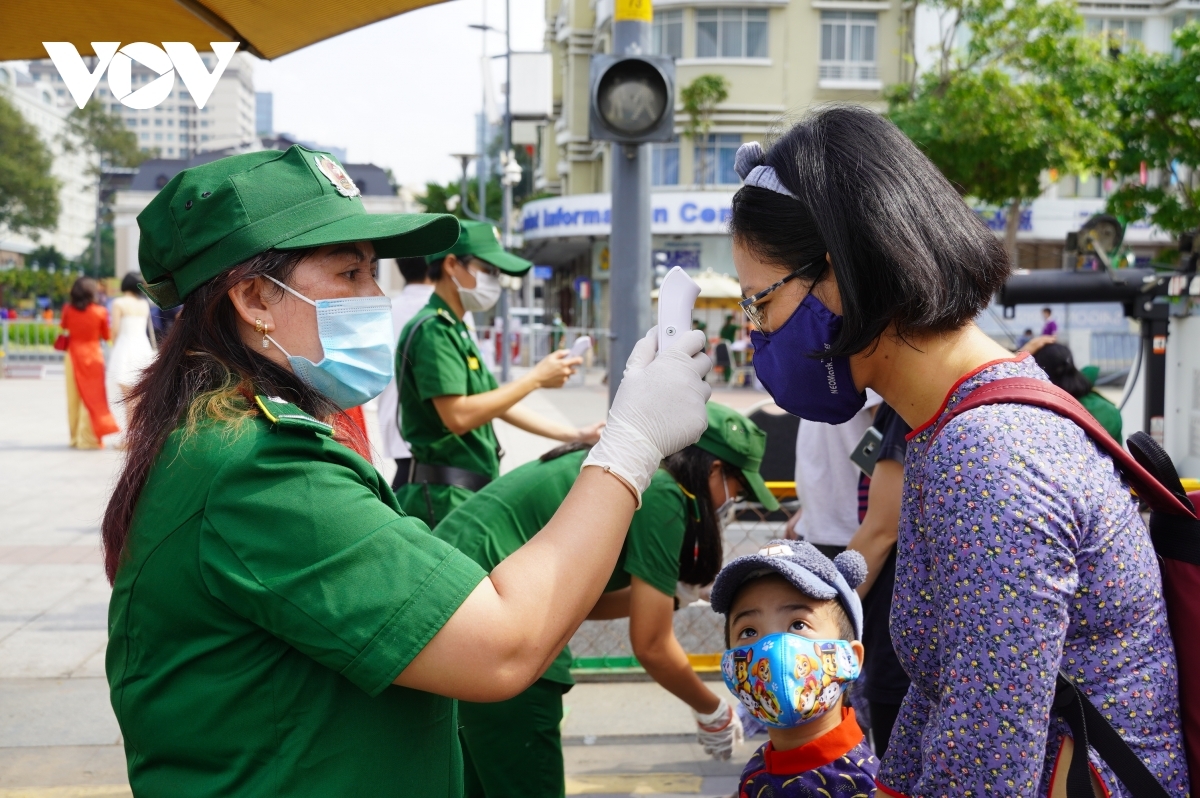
(748, 632)
(798, 626)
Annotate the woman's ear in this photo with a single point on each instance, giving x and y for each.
(716, 468)
(251, 305)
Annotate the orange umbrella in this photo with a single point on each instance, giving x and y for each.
(266, 28)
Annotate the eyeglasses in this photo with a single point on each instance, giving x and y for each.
(480, 265)
(749, 305)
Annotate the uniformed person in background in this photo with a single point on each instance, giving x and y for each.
(277, 626)
(513, 749)
(448, 396)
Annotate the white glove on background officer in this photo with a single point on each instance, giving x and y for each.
(720, 731)
(658, 410)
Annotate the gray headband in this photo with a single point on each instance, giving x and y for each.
(750, 166)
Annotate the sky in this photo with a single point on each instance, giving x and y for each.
(402, 93)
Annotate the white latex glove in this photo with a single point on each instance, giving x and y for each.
(658, 410)
(719, 732)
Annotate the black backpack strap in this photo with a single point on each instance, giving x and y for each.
(1090, 728)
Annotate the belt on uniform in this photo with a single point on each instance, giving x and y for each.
(446, 475)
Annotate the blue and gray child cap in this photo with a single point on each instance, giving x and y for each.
(805, 567)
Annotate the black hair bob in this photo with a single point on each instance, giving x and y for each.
(702, 551)
(131, 281)
(905, 249)
(1058, 363)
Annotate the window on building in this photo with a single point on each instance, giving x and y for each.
(158, 136)
(666, 35)
(145, 121)
(132, 122)
(170, 150)
(714, 160)
(664, 163)
(115, 108)
(1118, 32)
(183, 136)
(145, 137)
(158, 123)
(731, 33)
(848, 45)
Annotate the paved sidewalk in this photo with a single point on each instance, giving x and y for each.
(58, 736)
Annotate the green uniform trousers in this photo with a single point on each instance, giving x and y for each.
(513, 749)
(430, 503)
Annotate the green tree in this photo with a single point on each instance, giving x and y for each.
(28, 191)
(1023, 96)
(440, 198)
(108, 253)
(700, 100)
(1158, 129)
(48, 257)
(93, 129)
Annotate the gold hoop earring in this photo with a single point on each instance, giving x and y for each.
(259, 327)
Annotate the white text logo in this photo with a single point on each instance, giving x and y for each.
(165, 61)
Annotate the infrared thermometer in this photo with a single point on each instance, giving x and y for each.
(582, 344)
(676, 298)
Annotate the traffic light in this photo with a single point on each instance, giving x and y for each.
(632, 98)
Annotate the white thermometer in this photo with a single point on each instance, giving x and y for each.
(676, 298)
(582, 344)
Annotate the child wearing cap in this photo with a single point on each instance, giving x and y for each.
(793, 624)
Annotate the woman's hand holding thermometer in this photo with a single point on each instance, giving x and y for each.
(581, 346)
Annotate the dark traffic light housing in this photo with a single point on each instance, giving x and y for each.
(632, 98)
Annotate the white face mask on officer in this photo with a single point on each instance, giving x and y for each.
(483, 296)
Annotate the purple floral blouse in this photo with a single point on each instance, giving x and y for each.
(1020, 552)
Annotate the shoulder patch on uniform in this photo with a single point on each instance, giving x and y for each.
(287, 416)
(446, 316)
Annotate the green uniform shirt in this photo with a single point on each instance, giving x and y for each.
(270, 593)
(503, 516)
(1103, 411)
(443, 361)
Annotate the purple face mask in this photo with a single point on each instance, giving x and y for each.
(813, 389)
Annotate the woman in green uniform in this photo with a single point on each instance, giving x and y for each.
(448, 396)
(277, 626)
(514, 748)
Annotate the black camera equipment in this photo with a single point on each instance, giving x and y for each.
(1089, 276)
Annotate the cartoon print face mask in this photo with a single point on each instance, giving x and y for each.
(786, 680)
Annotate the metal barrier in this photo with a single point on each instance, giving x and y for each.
(532, 344)
(605, 644)
(1113, 352)
(29, 341)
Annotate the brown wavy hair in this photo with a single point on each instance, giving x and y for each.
(205, 371)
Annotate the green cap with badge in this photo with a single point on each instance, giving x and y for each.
(481, 240)
(739, 442)
(212, 217)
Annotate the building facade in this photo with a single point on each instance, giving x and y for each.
(75, 171)
(777, 56)
(176, 128)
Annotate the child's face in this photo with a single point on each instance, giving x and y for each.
(770, 604)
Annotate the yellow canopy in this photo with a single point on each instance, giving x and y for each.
(266, 28)
(716, 290)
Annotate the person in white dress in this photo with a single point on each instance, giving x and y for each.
(132, 350)
(416, 293)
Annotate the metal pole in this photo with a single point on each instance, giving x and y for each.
(629, 243)
(99, 216)
(505, 346)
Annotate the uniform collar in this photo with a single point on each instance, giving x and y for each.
(832, 745)
(440, 305)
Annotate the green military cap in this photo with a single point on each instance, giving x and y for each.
(483, 241)
(214, 216)
(736, 440)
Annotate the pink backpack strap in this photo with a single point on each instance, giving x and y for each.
(1030, 391)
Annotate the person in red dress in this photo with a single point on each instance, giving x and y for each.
(86, 324)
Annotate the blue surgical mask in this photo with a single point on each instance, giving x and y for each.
(786, 680)
(816, 389)
(359, 348)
